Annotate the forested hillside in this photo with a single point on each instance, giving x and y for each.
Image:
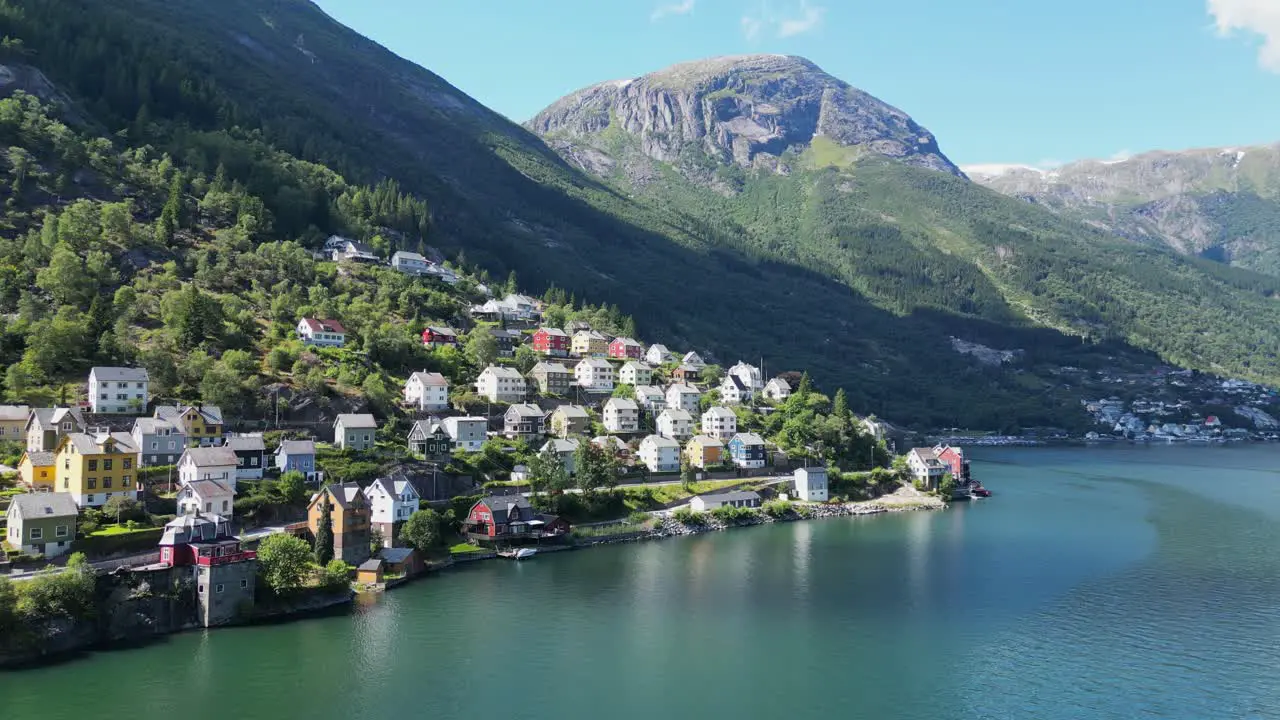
(214, 144)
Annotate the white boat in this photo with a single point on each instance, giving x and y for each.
(525, 553)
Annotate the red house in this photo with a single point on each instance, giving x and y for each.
(201, 539)
(511, 517)
(955, 461)
(551, 341)
(624, 348)
(439, 337)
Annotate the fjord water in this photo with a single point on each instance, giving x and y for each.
(1097, 583)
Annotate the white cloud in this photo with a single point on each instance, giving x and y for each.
(680, 8)
(797, 19)
(1260, 17)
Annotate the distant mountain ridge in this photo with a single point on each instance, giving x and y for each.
(1220, 203)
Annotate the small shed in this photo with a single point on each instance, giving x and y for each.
(400, 561)
(370, 572)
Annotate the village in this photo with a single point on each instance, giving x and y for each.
(602, 439)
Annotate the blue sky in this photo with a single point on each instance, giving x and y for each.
(997, 81)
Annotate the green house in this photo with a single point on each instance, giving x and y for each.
(42, 523)
(428, 439)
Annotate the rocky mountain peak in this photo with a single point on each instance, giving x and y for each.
(745, 109)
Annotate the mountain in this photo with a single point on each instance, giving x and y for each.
(1218, 203)
(750, 208)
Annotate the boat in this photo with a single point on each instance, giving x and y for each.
(519, 553)
(979, 491)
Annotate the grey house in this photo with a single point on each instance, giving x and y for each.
(354, 431)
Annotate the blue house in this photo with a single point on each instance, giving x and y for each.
(297, 455)
(747, 450)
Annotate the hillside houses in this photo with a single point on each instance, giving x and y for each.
(467, 433)
(429, 440)
(436, 336)
(747, 451)
(551, 341)
(564, 450)
(635, 373)
(427, 391)
(693, 360)
(683, 397)
(733, 391)
(657, 354)
(589, 343)
(410, 263)
(569, 420)
(625, 348)
(704, 451)
(523, 421)
(621, 415)
(552, 378)
(676, 424)
(118, 389)
(749, 375)
(594, 375)
(652, 398)
(321, 333)
(660, 454)
(720, 423)
(777, 390)
(355, 431)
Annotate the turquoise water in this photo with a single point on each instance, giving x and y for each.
(1101, 583)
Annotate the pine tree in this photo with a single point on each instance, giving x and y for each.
(324, 534)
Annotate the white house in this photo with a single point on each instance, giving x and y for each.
(660, 454)
(811, 484)
(410, 263)
(777, 390)
(564, 449)
(733, 391)
(738, 498)
(468, 433)
(118, 389)
(657, 354)
(635, 373)
(427, 391)
(207, 496)
(675, 424)
(621, 415)
(391, 502)
(321, 333)
(594, 374)
(925, 467)
(720, 423)
(748, 374)
(354, 251)
(502, 384)
(683, 397)
(693, 359)
(208, 463)
(335, 242)
(651, 398)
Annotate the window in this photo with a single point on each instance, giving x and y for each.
(138, 385)
(106, 465)
(106, 482)
(37, 533)
(90, 499)
(92, 483)
(122, 396)
(208, 507)
(253, 461)
(128, 463)
(239, 462)
(61, 531)
(171, 445)
(218, 588)
(224, 506)
(126, 480)
(93, 464)
(244, 584)
(200, 589)
(154, 444)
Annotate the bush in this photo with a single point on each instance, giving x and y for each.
(689, 516)
(283, 562)
(778, 509)
(730, 515)
(337, 574)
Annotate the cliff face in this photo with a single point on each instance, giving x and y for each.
(745, 110)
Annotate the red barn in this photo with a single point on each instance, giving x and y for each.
(551, 341)
(510, 517)
(955, 461)
(200, 539)
(439, 337)
(625, 348)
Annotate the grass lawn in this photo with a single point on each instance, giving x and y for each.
(118, 530)
(638, 498)
(464, 548)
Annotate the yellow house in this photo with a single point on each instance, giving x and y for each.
(589, 342)
(13, 421)
(201, 423)
(95, 468)
(36, 470)
(704, 451)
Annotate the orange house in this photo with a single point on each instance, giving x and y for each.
(349, 514)
(37, 470)
(704, 451)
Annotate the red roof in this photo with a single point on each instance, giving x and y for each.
(330, 326)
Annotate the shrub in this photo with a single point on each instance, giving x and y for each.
(688, 516)
(778, 509)
(337, 574)
(730, 515)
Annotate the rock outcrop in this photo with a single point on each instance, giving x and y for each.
(745, 110)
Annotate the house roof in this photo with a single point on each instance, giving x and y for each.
(371, 565)
(152, 425)
(246, 443)
(609, 440)
(52, 416)
(210, 456)
(683, 389)
(659, 441)
(297, 447)
(500, 506)
(780, 384)
(590, 334)
(14, 412)
(406, 255)
(815, 471)
(659, 347)
(705, 441)
(173, 413)
(429, 378)
(442, 330)
(395, 555)
(32, 506)
(39, 458)
(556, 332)
(343, 493)
(525, 410)
(626, 342)
(733, 496)
(360, 247)
(87, 444)
(550, 367)
(735, 381)
(119, 374)
(571, 411)
(595, 363)
(502, 371)
(692, 357)
(318, 325)
(748, 439)
(622, 404)
(356, 421)
(460, 419)
(719, 412)
(637, 365)
(926, 456)
(676, 414)
(207, 488)
(561, 446)
(197, 527)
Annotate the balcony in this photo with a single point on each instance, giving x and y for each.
(207, 561)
